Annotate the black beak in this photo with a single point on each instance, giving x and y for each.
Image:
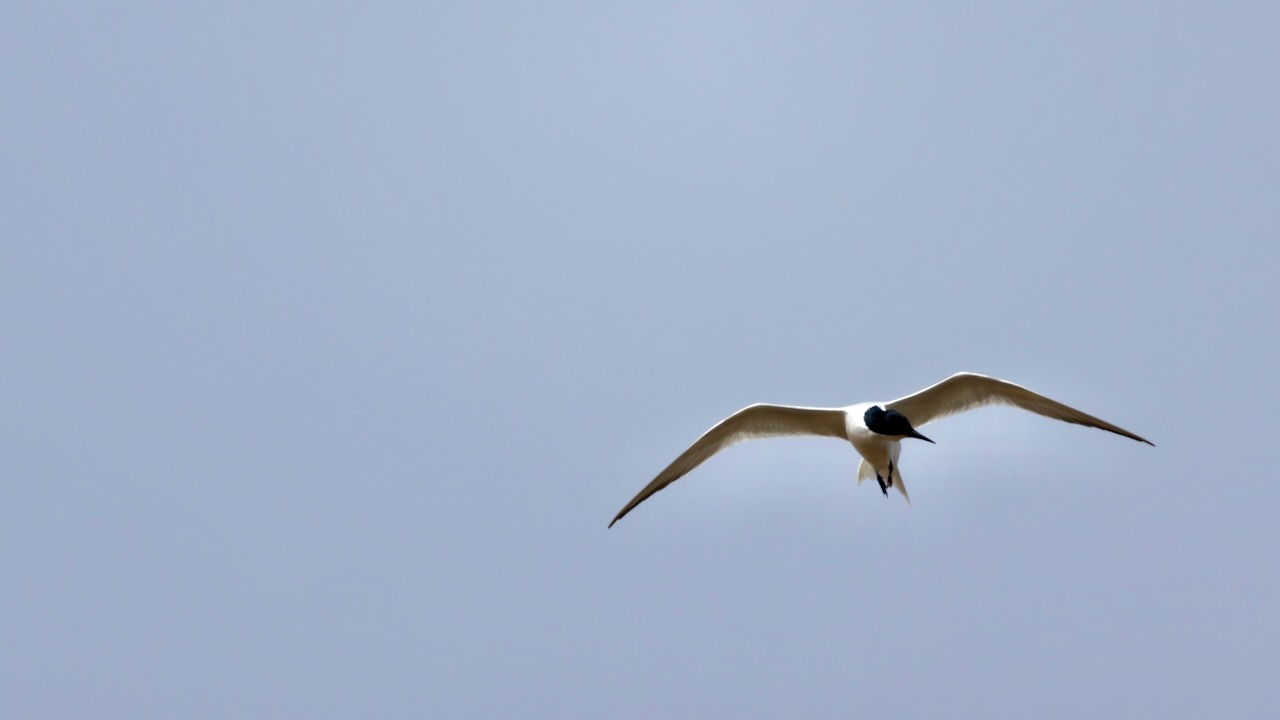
(918, 436)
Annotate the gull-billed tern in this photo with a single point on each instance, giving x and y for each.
(874, 428)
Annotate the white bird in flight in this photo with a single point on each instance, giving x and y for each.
(875, 429)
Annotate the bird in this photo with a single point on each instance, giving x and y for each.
(874, 428)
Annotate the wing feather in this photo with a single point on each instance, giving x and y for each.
(755, 421)
(966, 391)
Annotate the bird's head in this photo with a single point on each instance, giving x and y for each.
(890, 422)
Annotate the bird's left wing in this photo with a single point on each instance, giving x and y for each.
(755, 421)
(966, 391)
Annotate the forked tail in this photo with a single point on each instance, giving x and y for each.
(866, 472)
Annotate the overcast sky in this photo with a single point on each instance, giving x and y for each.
(334, 334)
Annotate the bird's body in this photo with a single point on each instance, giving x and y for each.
(875, 429)
(879, 452)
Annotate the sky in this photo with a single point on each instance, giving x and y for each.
(335, 334)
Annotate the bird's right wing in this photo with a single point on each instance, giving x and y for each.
(966, 391)
(756, 421)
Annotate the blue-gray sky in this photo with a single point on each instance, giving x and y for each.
(335, 334)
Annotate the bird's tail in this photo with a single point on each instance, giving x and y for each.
(866, 472)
